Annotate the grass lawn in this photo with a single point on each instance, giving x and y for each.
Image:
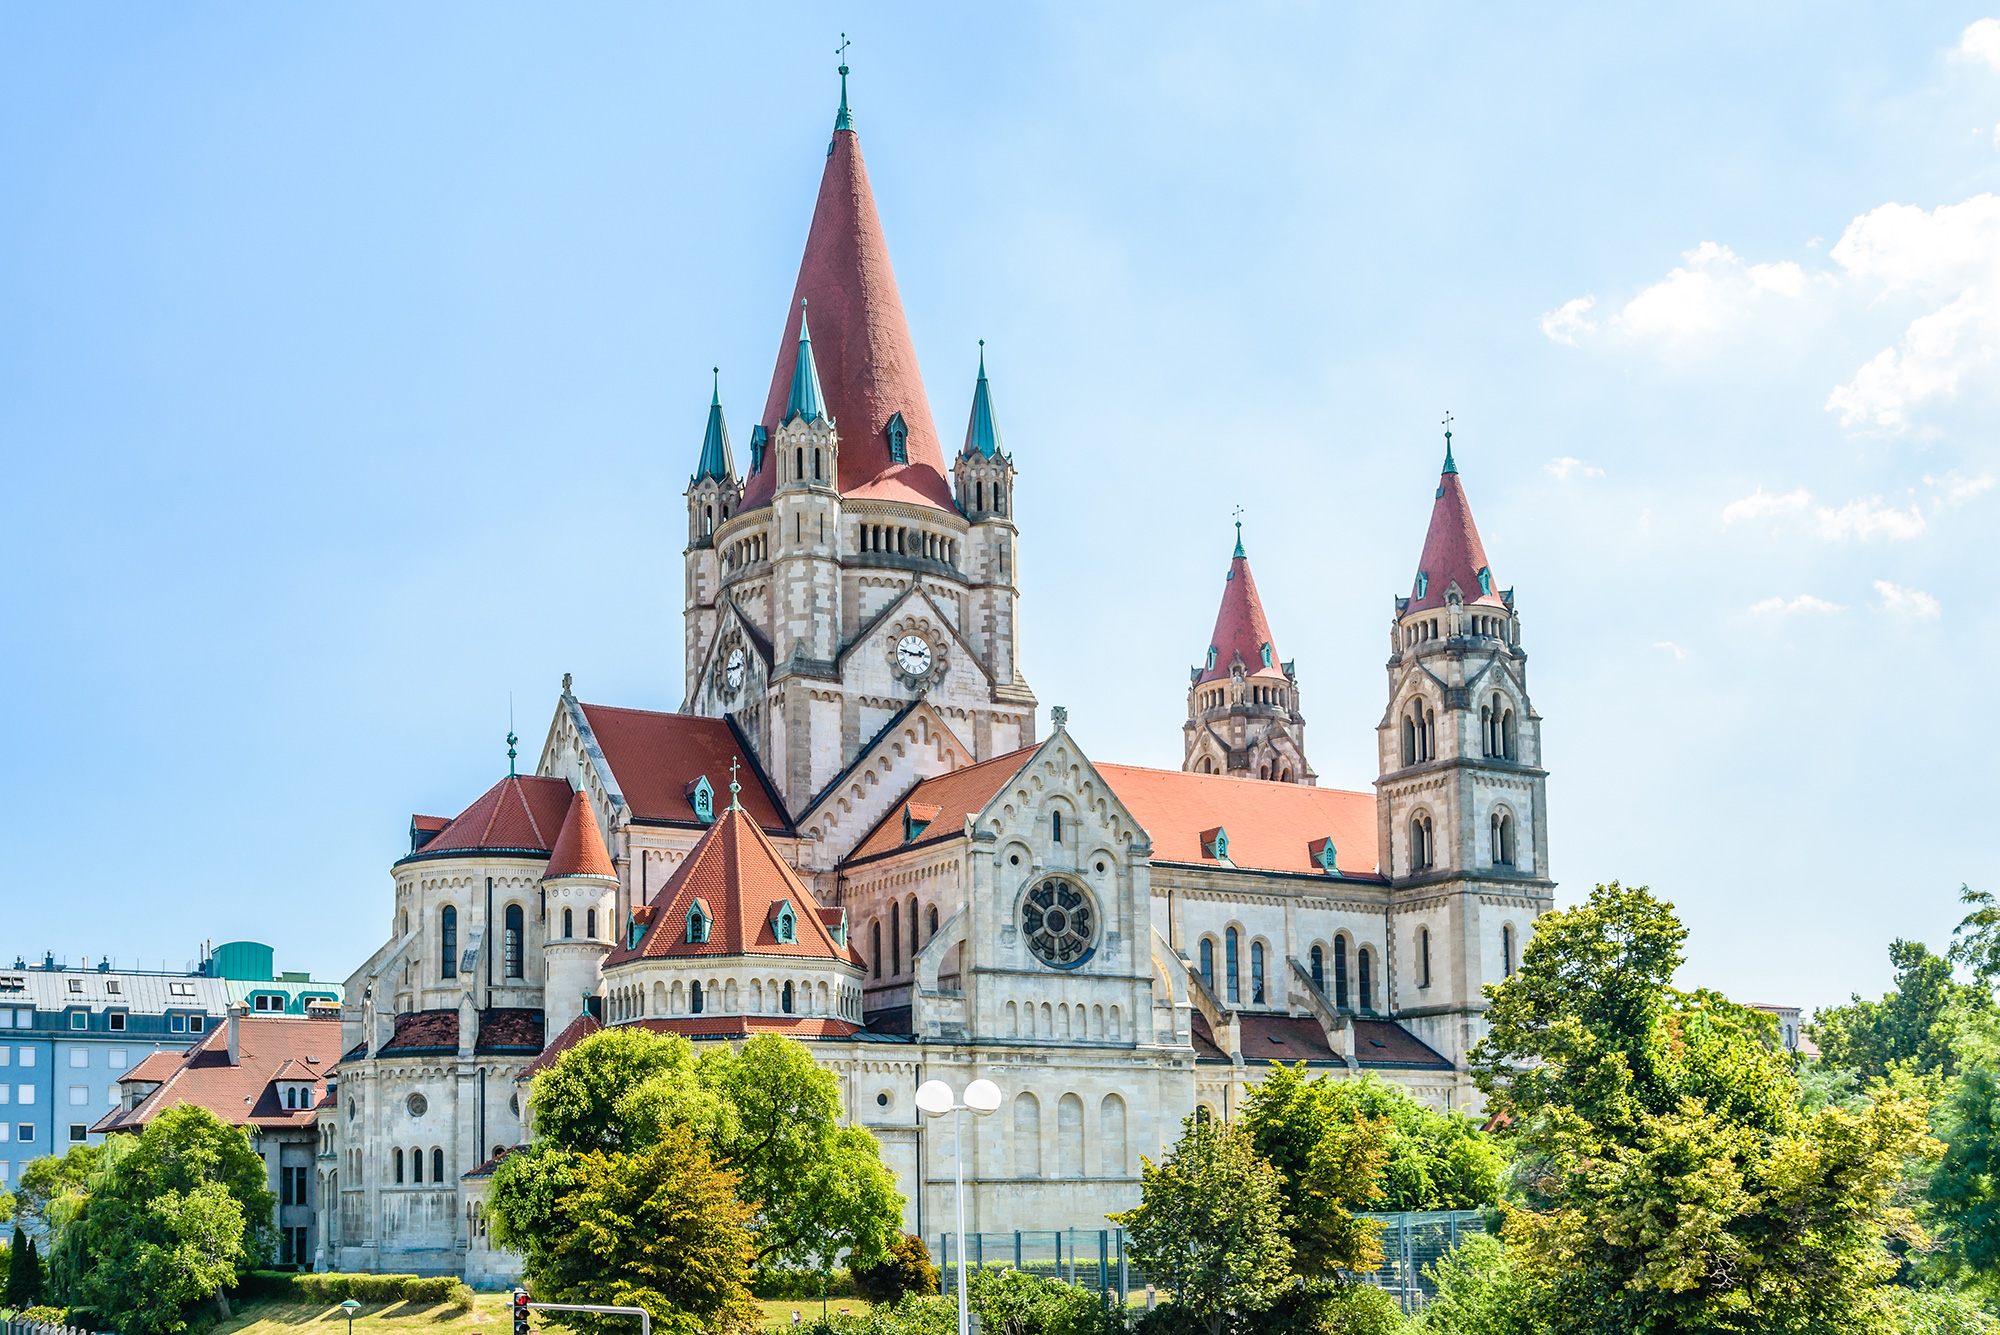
(489, 1316)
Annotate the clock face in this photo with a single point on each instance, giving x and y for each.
(733, 674)
(913, 655)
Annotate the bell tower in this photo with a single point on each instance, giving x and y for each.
(1461, 800)
(713, 495)
(983, 479)
(1243, 700)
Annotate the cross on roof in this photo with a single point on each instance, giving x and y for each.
(735, 787)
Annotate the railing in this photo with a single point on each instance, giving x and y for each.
(1099, 1259)
(40, 1328)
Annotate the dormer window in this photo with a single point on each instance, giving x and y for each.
(701, 798)
(1322, 853)
(698, 923)
(785, 924)
(1423, 585)
(1485, 580)
(759, 438)
(1266, 651)
(899, 440)
(1211, 658)
(1215, 844)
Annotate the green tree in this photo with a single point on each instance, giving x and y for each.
(24, 1274)
(1210, 1223)
(906, 1269)
(620, 1088)
(165, 1221)
(49, 1180)
(1913, 1025)
(1013, 1302)
(658, 1227)
(1680, 1187)
(1478, 1292)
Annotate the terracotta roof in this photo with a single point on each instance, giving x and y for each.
(657, 757)
(1283, 1038)
(486, 1169)
(244, 1094)
(155, 1067)
(949, 797)
(1203, 1039)
(1241, 628)
(582, 1027)
(861, 345)
(1270, 825)
(579, 849)
(741, 879)
(1386, 1045)
(1452, 551)
(742, 1026)
(520, 814)
(501, 1029)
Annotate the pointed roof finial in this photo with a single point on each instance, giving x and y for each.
(1449, 466)
(806, 400)
(982, 433)
(1239, 534)
(511, 739)
(845, 120)
(716, 459)
(734, 787)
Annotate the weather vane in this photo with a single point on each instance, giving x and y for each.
(1447, 425)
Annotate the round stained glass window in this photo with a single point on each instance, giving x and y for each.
(418, 1105)
(1060, 923)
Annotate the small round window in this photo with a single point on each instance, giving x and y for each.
(417, 1104)
(1060, 923)
(882, 1099)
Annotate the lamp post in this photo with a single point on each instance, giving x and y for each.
(982, 1097)
(350, 1307)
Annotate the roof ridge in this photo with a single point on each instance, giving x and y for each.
(1224, 778)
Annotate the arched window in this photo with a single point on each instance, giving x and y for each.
(875, 944)
(590, 923)
(1367, 983)
(913, 933)
(801, 464)
(417, 1166)
(1340, 972)
(787, 1002)
(1424, 955)
(513, 941)
(1420, 843)
(1256, 973)
(1506, 950)
(448, 942)
(1507, 735)
(895, 942)
(437, 1163)
(694, 997)
(291, 1095)
(1409, 740)
(1502, 834)
(708, 519)
(1229, 964)
(1027, 1135)
(1208, 962)
(1319, 971)
(815, 465)
(396, 1157)
(1055, 824)
(931, 922)
(568, 924)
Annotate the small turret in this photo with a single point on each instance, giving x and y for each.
(983, 480)
(1243, 699)
(581, 887)
(713, 496)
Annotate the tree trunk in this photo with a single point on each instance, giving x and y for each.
(1215, 1323)
(222, 1301)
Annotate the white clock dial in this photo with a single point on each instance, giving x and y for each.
(913, 655)
(733, 674)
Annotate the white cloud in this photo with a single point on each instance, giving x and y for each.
(1906, 602)
(1713, 289)
(1760, 503)
(1958, 490)
(1980, 42)
(1868, 518)
(1568, 320)
(1680, 654)
(1805, 602)
(1563, 467)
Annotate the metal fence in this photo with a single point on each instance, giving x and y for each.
(38, 1328)
(1098, 1259)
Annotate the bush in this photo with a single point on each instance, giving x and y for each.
(782, 1284)
(1316, 1307)
(930, 1315)
(1939, 1312)
(1011, 1302)
(1478, 1292)
(380, 1290)
(908, 1271)
(45, 1316)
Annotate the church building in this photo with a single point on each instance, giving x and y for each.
(855, 831)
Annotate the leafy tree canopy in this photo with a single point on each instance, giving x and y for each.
(1210, 1223)
(1680, 1186)
(51, 1179)
(1914, 1025)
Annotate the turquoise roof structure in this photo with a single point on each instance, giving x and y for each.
(716, 461)
(806, 400)
(982, 433)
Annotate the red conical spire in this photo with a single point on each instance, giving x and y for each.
(861, 345)
(1452, 550)
(579, 849)
(1240, 626)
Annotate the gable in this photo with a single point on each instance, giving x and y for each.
(915, 745)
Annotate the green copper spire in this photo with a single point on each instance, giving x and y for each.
(845, 120)
(982, 434)
(1238, 554)
(716, 461)
(1449, 466)
(806, 400)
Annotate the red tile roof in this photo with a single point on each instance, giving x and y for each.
(741, 879)
(155, 1067)
(501, 1029)
(1284, 1038)
(949, 797)
(1270, 825)
(1452, 552)
(582, 1027)
(579, 849)
(246, 1093)
(743, 1026)
(520, 814)
(1203, 1039)
(1384, 1044)
(861, 345)
(1241, 628)
(655, 757)
(486, 1169)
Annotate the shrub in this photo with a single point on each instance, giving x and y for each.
(1478, 1292)
(1013, 1303)
(1315, 1307)
(907, 1271)
(1939, 1312)
(930, 1315)
(783, 1284)
(45, 1316)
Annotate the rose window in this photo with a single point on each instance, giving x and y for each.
(1060, 923)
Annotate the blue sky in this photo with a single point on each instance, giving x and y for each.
(353, 361)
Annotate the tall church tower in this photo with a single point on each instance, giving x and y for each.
(848, 577)
(1462, 798)
(1243, 705)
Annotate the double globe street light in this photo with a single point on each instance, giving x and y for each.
(934, 1099)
